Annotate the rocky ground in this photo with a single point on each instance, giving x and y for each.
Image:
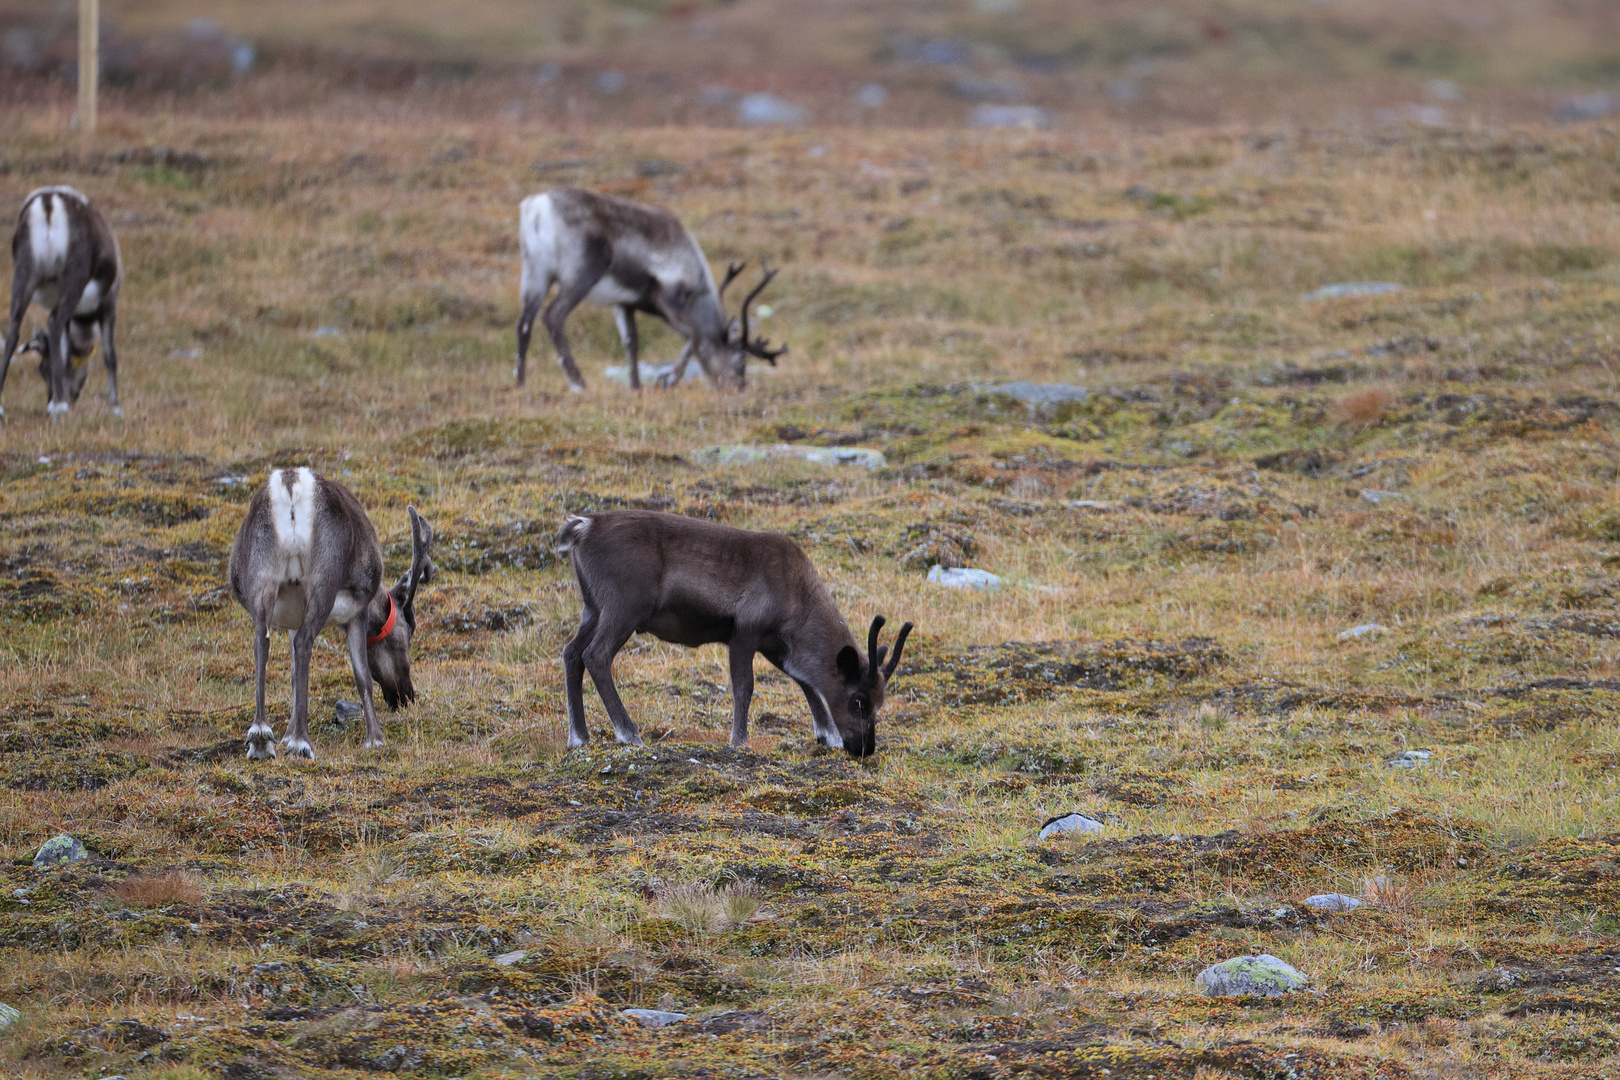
(1300, 594)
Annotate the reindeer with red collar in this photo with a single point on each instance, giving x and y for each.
(306, 558)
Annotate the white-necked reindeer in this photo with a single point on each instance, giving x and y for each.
(635, 258)
(305, 558)
(66, 260)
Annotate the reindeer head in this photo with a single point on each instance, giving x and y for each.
(732, 369)
(82, 338)
(390, 657)
(855, 712)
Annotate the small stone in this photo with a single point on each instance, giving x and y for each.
(1361, 631)
(508, 959)
(1030, 117)
(1264, 974)
(327, 331)
(1332, 901)
(344, 712)
(963, 577)
(654, 1018)
(1070, 823)
(760, 110)
(1341, 289)
(1409, 759)
(1374, 496)
(60, 849)
(8, 1016)
(744, 454)
(650, 374)
(1090, 504)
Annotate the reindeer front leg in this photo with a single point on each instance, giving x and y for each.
(743, 648)
(22, 291)
(261, 741)
(625, 316)
(109, 356)
(360, 664)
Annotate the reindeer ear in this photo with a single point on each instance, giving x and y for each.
(849, 664)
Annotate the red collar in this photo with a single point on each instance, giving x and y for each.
(388, 625)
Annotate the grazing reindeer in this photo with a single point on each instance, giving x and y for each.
(694, 582)
(635, 258)
(65, 259)
(305, 558)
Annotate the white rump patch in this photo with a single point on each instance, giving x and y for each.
(48, 232)
(292, 511)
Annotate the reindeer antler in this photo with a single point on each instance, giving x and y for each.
(899, 643)
(759, 347)
(874, 654)
(731, 274)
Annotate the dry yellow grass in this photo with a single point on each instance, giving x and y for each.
(1250, 467)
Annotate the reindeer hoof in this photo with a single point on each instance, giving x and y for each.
(299, 748)
(374, 743)
(56, 410)
(261, 744)
(117, 409)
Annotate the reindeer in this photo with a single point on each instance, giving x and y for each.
(305, 558)
(694, 582)
(636, 258)
(66, 260)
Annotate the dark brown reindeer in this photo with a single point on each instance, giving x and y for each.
(306, 558)
(66, 260)
(694, 582)
(635, 258)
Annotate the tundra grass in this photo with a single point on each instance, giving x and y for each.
(1252, 475)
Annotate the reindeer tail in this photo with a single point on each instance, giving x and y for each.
(572, 532)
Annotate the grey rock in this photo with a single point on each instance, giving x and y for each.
(654, 1018)
(8, 1016)
(871, 95)
(1498, 980)
(1409, 759)
(1070, 823)
(763, 110)
(963, 577)
(327, 331)
(1332, 901)
(610, 82)
(1444, 90)
(1361, 631)
(1263, 974)
(651, 374)
(508, 959)
(1341, 289)
(1010, 116)
(1375, 496)
(344, 712)
(60, 849)
(743, 454)
(1036, 394)
(979, 88)
(1593, 106)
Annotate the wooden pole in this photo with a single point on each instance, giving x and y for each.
(89, 62)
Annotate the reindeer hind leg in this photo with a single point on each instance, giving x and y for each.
(261, 741)
(296, 740)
